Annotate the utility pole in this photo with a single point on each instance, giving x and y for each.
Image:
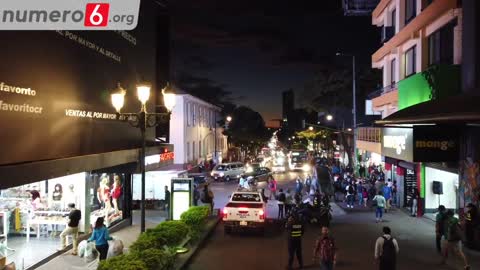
(354, 116)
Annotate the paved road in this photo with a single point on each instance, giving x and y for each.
(355, 231)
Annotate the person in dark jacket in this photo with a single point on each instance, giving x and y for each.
(295, 231)
(439, 227)
(471, 223)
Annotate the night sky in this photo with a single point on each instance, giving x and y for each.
(256, 49)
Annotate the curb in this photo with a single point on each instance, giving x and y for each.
(184, 260)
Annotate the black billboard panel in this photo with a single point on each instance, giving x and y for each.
(55, 89)
(436, 144)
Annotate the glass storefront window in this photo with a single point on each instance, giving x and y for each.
(106, 197)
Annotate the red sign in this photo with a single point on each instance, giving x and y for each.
(96, 14)
(167, 156)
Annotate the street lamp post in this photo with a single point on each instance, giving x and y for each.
(354, 110)
(143, 120)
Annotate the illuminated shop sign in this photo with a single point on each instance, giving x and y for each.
(398, 143)
(154, 159)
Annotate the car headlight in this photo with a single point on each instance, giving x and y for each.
(249, 169)
(211, 174)
(222, 174)
(306, 168)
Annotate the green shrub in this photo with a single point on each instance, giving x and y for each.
(173, 232)
(123, 262)
(168, 233)
(156, 259)
(195, 218)
(147, 240)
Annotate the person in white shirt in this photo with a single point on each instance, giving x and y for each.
(241, 182)
(386, 250)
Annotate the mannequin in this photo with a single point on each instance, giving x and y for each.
(116, 192)
(57, 197)
(105, 193)
(71, 197)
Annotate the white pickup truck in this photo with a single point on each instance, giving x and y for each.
(244, 210)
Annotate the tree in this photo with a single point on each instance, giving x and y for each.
(330, 91)
(247, 129)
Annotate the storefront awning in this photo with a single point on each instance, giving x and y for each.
(455, 110)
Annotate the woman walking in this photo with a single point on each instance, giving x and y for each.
(101, 236)
(380, 202)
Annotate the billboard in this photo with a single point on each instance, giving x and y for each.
(55, 89)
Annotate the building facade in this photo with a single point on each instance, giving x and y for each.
(61, 140)
(420, 59)
(195, 132)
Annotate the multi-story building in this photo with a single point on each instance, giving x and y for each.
(195, 132)
(420, 56)
(288, 106)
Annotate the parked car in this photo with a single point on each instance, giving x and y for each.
(227, 171)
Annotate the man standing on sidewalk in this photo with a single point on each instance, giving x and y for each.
(350, 195)
(295, 232)
(72, 228)
(453, 244)
(325, 249)
(386, 250)
(439, 227)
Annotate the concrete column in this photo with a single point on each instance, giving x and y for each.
(422, 51)
(457, 40)
(400, 4)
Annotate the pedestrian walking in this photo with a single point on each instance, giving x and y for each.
(207, 197)
(308, 183)
(166, 207)
(394, 193)
(415, 195)
(386, 250)
(325, 250)
(72, 228)
(360, 193)
(365, 196)
(288, 202)
(272, 186)
(101, 236)
(453, 244)
(295, 232)
(196, 195)
(379, 203)
(350, 195)
(472, 221)
(387, 194)
(281, 204)
(440, 227)
(299, 185)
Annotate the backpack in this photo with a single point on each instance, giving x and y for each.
(327, 249)
(351, 190)
(282, 197)
(389, 252)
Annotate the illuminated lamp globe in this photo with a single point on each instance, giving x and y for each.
(143, 93)
(118, 98)
(168, 97)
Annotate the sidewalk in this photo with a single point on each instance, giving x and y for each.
(128, 235)
(416, 237)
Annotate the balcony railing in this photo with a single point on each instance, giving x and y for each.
(369, 134)
(383, 91)
(359, 7)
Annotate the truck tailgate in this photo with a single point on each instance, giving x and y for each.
(244, 212)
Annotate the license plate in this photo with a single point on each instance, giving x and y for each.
(243, 223)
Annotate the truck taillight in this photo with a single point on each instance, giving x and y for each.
(225, 212)
(261, 214)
